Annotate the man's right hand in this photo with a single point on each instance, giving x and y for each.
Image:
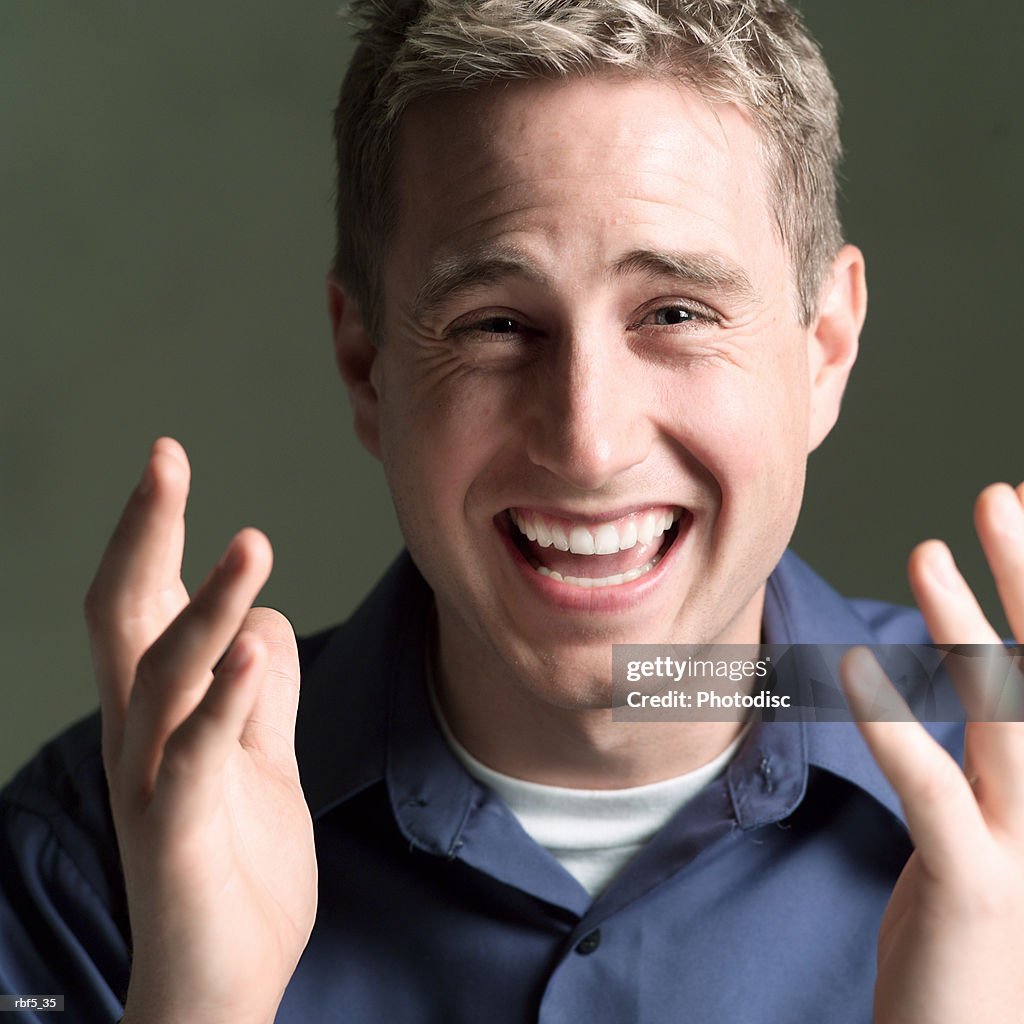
(215, 836)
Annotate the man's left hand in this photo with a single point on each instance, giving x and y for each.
(951, 944)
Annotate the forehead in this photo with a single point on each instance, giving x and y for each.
(608, 157)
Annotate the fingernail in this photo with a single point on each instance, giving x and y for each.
(943, 568)
(236, 659)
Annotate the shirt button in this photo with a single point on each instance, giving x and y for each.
(589, 943)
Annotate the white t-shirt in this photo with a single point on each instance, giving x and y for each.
(591, 832)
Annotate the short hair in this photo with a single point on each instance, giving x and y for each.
(755, 53)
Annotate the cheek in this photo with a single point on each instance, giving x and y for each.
(439, 435)
(768, 456)
(746, 428)
(742, 424)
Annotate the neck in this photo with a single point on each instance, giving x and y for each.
(512, 724)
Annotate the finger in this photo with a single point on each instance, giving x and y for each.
(950, 609)
(995, 750)
(940, 809)
(271, 726)
(999, 518)
(955, 618)
(174, 674)
(137, 589)
(994, 765)
(189, 784)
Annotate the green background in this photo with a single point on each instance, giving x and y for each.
(164, 230)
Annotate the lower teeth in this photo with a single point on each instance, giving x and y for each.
(603, 581)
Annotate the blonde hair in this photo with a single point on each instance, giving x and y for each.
(755, 53)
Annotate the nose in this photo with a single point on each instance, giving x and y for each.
(591, 419)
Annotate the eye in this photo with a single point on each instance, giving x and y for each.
(491, 327)
(498, 325)
(671, 316)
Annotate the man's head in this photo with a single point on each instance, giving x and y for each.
(755, 53)
(589, 339)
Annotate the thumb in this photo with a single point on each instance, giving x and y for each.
(270, 729)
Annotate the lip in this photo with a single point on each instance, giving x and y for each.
(593, 600)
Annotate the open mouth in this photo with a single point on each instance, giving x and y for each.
(596, 554)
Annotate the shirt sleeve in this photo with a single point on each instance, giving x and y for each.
(63, 918)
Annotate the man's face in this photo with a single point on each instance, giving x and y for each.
(589, 340)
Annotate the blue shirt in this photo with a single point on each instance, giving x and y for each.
(758, 903)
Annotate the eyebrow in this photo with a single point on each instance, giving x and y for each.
(461, 272)
(707, 270)
(452, 275)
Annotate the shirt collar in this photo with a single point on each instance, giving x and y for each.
(348, 676)
(801, 608)
(365, 716)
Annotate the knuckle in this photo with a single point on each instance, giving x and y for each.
(94, 606)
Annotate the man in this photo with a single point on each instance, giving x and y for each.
(592, 310)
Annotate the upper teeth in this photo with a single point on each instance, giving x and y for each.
(603, 539)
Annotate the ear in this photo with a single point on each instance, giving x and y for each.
(832, 340)
(356, 356)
